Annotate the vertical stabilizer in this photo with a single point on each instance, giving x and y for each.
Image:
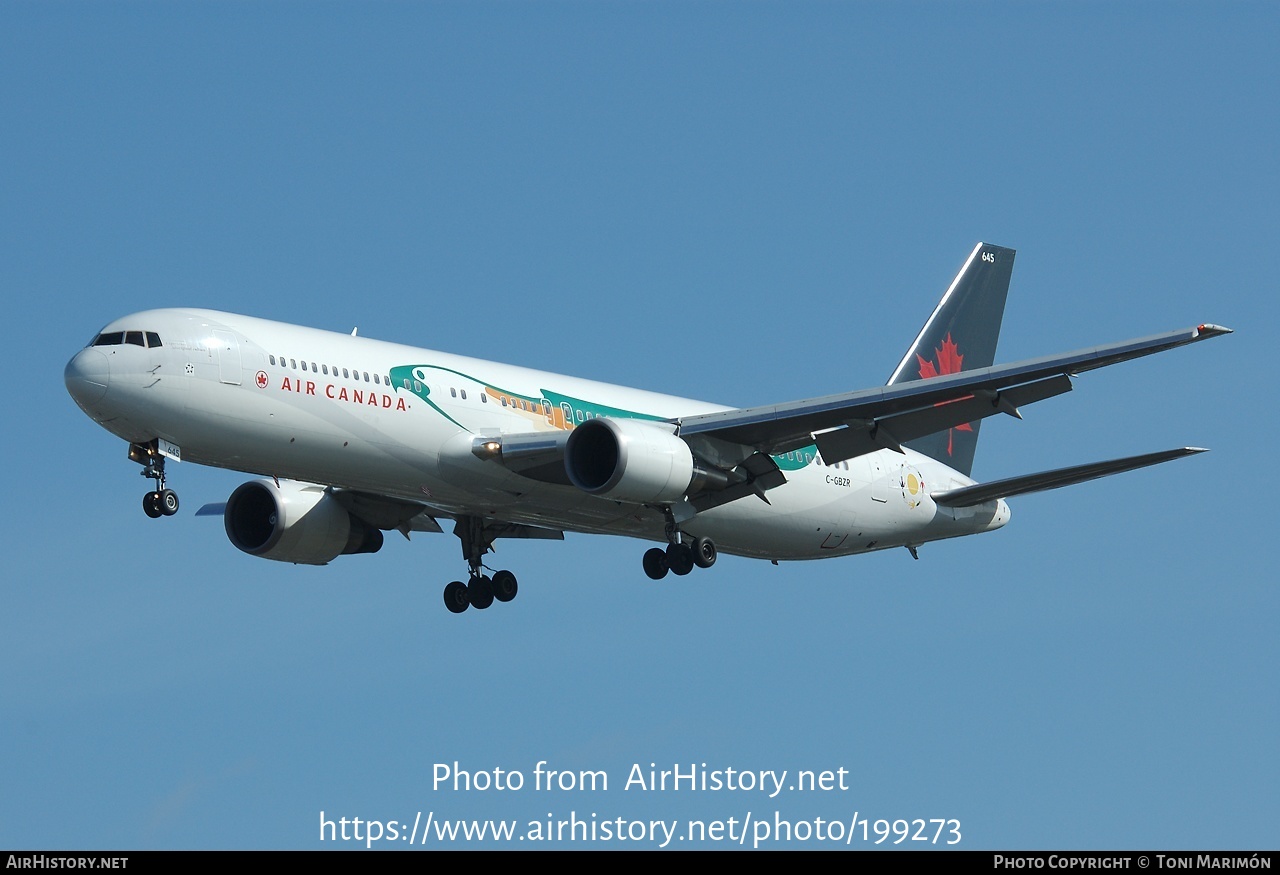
(961, 335)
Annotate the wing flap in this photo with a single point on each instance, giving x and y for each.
(495, 529)
(386, 513)
(983, 492)
(769, 427)
(890, 432)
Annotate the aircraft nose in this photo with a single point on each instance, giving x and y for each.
(87, 376)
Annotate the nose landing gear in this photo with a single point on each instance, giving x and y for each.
(160, 501)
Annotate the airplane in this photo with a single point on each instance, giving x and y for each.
(352, 437)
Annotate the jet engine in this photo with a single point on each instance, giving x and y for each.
(295, 522)
(629, 460)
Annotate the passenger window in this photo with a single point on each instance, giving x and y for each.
(346, 374)
(377, 378)
(483, 400)
(314, 369)
(273, 359)
(464, 394)
(453, 393)
(366, 376)
(325, 370)
(153, 340)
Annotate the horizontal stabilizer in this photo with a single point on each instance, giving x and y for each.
(983, 492)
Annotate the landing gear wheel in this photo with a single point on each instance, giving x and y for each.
(151, 505)
(455, 597)
(480, 592)
(504, 586)
(655, 563)
(168, 502)
(704, 553)
(680, 558)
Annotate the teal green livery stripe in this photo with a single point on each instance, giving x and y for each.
(579, 410)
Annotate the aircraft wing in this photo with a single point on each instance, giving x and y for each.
(968, 496)
(853, 423)
(384, 512)
(379, 511)
(387, 513)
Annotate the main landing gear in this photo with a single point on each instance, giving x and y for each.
(680, 556)
(480, 591)
(160, 501)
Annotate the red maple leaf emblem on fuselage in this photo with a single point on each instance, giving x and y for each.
(950, 361)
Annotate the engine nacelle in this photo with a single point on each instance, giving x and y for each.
(295, 522)
(629, 459)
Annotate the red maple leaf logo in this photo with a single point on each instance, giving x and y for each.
(950, 361)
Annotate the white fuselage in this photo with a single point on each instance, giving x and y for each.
(344, 411)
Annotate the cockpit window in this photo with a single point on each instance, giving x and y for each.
(137, 338)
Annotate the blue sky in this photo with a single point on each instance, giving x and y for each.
(745, 203)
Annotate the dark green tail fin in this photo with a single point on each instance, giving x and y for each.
(961, 335)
